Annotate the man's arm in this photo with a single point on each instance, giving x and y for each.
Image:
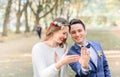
(79, 70)
(106, 67)
(105, 63)
(76, 66)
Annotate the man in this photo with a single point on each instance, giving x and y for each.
(92, 61)
(39, 30)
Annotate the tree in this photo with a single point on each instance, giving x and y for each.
(19, 14)
(6, 20)
(40, 5)
(26, 20)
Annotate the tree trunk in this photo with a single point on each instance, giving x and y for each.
(26, 21)
(18, 18)
(37, 20)
(19, 14)
(18, 23)
(6, 20)
(40, 10)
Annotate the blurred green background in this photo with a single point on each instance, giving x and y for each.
(18, 19)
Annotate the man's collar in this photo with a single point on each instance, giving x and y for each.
(82, 45)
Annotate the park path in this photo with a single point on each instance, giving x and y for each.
(15, 56)
(116, 31)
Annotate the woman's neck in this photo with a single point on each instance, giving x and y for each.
(51, 43)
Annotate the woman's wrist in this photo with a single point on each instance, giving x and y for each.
(59, 64)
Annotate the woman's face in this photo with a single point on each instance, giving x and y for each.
(61, 35)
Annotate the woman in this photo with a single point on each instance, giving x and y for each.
(50, 56)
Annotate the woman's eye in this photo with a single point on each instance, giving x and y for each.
(65, 33)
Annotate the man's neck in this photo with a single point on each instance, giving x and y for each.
(83, 43)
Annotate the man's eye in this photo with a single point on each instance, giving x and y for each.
(73, 32)
(79, 30)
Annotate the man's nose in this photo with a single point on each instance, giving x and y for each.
(77, 33)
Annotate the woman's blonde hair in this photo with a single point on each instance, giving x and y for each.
(55, 26)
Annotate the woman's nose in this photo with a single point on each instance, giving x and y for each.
(65, 36)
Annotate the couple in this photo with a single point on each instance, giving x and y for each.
(51, 56)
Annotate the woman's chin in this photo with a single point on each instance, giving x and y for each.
(60, 42)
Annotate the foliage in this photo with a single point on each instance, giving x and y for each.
(92, 12)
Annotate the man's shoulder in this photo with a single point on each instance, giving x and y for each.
(73, 46)
(72, 50)
(93, 42)
(96, 44)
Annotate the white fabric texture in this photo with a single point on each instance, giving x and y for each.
(43, 61)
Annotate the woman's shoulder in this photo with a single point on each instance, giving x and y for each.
(38, 48)
(39, 45)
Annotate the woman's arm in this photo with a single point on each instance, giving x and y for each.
(39, 64)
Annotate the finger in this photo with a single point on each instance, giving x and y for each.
(83, 50)
(88, 53)
(73, 57)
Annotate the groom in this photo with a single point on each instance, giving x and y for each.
(92, 61)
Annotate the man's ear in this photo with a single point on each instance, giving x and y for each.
(86, 32)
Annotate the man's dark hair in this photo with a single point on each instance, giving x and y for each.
(76, 21)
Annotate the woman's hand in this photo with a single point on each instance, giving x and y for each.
(66, 59)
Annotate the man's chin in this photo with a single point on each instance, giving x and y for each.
(79, 42)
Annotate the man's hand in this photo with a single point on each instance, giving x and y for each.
(85, 57)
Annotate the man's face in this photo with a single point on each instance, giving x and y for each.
(78, 33)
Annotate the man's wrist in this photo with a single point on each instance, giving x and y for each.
(85, 66)
(86, 69)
